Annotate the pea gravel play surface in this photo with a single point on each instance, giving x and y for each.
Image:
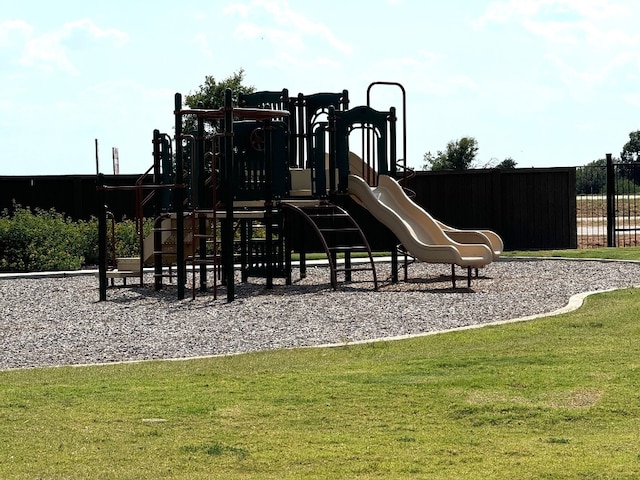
(59, 321)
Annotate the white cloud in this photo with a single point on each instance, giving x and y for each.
(46, 52)
(12, 31)
(201, 40)
(598, 23)
(49, 50)
(291, 25)
(518, 10)
(111, 35)
(241, 9)
(586, 42)
(248, 30)
(581, 81)
(502, 12)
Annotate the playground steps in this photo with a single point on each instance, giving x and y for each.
(168, 239)
(339, 234)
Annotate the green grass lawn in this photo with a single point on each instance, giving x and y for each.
(626, 253)
(554, 398)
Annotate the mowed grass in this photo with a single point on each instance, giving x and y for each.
(553, 398)
(626, 253)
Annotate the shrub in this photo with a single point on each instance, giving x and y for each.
(44, 240)
(40, 241)
(127, 239)
(89, 236)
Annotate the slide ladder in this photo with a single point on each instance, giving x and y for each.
(338, 233)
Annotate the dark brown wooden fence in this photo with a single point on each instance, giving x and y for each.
(528, 208)
(73, 195)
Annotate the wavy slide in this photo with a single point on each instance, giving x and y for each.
(424, 238)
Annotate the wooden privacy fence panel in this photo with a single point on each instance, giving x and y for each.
(528, 208)
(73, 195)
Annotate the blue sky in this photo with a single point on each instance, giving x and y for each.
(546, 82)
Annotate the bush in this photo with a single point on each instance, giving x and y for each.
(127, 239)
(44, 240)
(40, 241)
(89, 232)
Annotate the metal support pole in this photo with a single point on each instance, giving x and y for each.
(287, 232)
(179, 200)
(228, 165)
(157, 209)
(394, 263)
(332, 153)
(268, 204)
(393, 161)
(157, 253)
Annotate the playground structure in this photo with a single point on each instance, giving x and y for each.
(247, 185)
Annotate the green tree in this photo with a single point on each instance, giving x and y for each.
(211, 93)
(631, 155)
(507, 163)
(631, 149)
(591, 179)
(459, 155)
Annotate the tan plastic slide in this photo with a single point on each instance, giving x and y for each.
(424, 237)
(487, 237)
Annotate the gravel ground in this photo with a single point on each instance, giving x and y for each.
(59, 321)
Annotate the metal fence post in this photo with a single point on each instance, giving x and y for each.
(102, 238)
(611, 205)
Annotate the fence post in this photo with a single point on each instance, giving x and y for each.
(611, 205)
(102, 238)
